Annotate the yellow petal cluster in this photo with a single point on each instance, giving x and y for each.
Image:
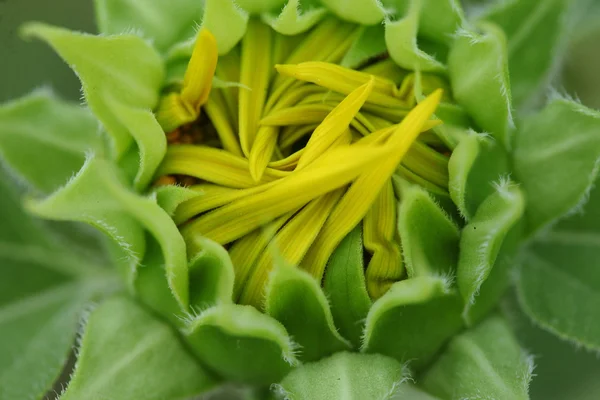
(307, 152)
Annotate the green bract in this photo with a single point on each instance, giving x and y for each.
(321, 197)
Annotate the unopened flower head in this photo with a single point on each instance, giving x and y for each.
(306, 190)
(295, 150)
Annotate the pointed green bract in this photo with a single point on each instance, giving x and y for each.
(401, 40)
(413, 320)
(295, 299)
(43, 139)
(536, 36)
(440, 19)
(125, 353)
(242, 344)
(162, 22)
(260, 6)
(292, 20)
(171, 196)
(148, 135)
(152, 289)
(346, 288)
(482, 239)
(97, 196)
(370, 44)
(366, 12)
(474, 165)
(226, 34)
(478, 69)
(124, 67)
(345, 376)
(486, 362)
(556, 157)
(429, 238)
(211, 276)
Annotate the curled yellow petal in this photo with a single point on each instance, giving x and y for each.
(380, 228)
(200, 71)
(177, 109)
(262, 150)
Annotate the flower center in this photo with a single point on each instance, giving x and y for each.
(291, 150)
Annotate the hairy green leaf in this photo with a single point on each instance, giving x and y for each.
(559, 281)
(125, 353)
(43, 291)
(97, 196)
(347, 376)
(483, 363)
(562, 370)
(536, 31)
(162, 22)
(123, 67)
(556, 156)
(44, 140)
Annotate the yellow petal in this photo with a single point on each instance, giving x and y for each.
(335, 124)
(262, 150)
(290, 162)
(228, 70)
(216, 109)
(362, 193)
(212, 165)
(213, 196)
(200, 71)
(306, 114)
(291, 243)
(255, 74)
(343, 80)
(327, 42)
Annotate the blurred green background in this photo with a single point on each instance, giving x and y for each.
(563, 373)
(27, 65)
